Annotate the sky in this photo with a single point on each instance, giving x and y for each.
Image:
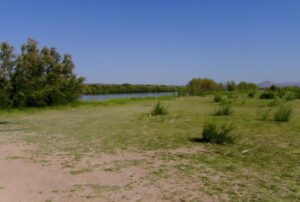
(163, 41)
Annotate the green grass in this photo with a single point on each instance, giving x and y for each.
(223, 110)
(262, 164)
(283, 112)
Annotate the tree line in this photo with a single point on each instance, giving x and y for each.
(36, 77)
(90, 89)
(201, 86)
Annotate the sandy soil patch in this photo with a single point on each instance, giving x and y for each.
(127, 176)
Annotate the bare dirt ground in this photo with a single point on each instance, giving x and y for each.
(126, 176)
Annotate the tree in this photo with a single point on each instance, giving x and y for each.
(244, 86)
(37, 77)
(29, 78)
(7, 64)
(199, 86)
(231, 86)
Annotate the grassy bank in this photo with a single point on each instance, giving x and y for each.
(262, 163)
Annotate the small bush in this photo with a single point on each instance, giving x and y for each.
(251, 95)
(283, 113)
(223, 110)
(218, 98)
(217, 135)
(267, 95)
(159, 109)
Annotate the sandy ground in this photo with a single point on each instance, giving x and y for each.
(126, 176)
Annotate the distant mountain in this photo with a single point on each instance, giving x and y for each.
(286, 84)
(267, 84)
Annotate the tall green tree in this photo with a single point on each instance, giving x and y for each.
(199, 86)
(29, 78)
(7, 65)
(36, 77)
(231, 86)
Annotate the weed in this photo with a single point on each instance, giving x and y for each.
(159, 109)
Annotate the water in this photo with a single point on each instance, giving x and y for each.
(123, 95)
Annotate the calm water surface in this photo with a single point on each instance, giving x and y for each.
(123, 95)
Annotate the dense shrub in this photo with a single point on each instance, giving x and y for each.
(267, 95)
(159, 109)
(223, 110)
(283, 113)
(218, 98)
(90, 89)
(217, 135)
(295, 90)
(36, 77)
(251, 95)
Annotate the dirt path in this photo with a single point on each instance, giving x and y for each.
(127, 176)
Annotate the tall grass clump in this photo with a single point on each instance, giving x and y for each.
(159, 109)
(212, 133)
(223, 110)
(283, 113)
(218, 98)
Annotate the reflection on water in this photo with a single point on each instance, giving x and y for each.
(124, 95)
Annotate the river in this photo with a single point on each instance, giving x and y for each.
(123, 95)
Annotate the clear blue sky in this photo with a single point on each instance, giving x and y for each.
(164, 41)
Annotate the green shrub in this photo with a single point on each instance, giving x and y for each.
(226, 101)
(289, 96)
(218, 98)
(267, 95)
(223, 110)
(159, 109)
(217, 134)
(251, 95)
(283, 113)
(297, 93)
